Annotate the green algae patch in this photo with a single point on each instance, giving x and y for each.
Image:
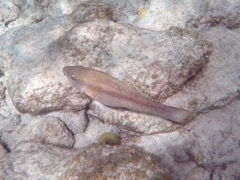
(109, 138)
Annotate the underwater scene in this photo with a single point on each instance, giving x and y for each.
(125, 90)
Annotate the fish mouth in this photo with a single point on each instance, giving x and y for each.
(66, 69)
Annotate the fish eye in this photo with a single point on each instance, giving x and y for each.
(72, 76)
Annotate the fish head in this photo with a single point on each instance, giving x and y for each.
(73, 72)
(76, 75)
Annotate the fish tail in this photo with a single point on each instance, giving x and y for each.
(174, 114)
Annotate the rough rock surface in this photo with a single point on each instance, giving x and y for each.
(30, 160)
(188, 14)
(215, 140)
(9, 123)
(22, 12)
(40, 86)
(9, 117)
(132, 121)
(172, 58)
(92, 162)
(43, 88)
(219, 82)
(117, 162)
(210, 142)
(194, 65)
(49, 130)
(2, 91)
(76, 122)
(8, 13)
(3, 152)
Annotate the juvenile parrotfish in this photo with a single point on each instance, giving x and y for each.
(115, 93)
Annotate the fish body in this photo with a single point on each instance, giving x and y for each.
(115, 93)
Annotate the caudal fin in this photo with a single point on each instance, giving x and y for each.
(177, 115)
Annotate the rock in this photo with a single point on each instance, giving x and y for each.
(55, 132)
(2, 91)
(1, 72)
(33, 12)
(31, 160)
(9, 116)
(3, 152)
(76, 122)
(97, 162)
(163, 78)
(117, 162)
(43, 88)
(91, 10)
(9, 123)
(215, 139)
(198, 173)
(49, 130)
(230, 171)
(124, 11)
(131, 121)
(115, 56)
(9, 13)
(24, 12)
(210, 142)
(220, 75)
(188, 14)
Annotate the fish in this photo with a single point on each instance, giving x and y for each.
(112, 92)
